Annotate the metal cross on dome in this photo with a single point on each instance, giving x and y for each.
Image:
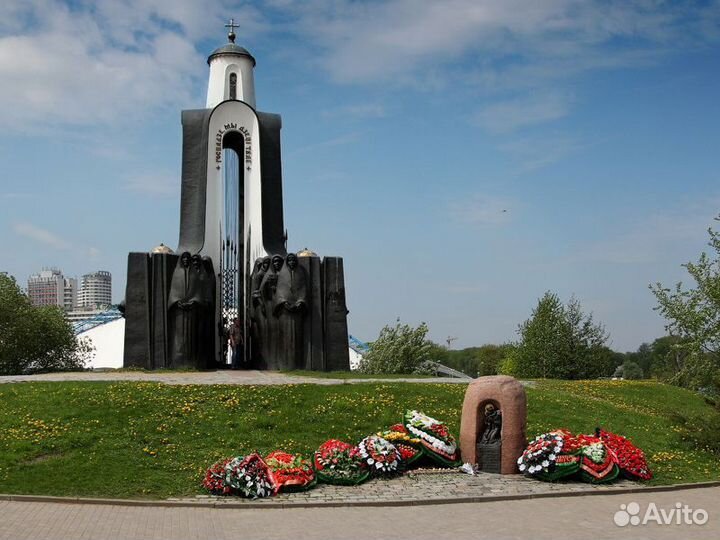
(232, 26)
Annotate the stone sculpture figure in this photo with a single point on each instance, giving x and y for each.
(178, 314)
(289, 308)
(268, 289)
(197, 304)
(257, 308)
(493, 425)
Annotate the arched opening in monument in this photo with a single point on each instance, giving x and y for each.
(489, 436)
(232, 282)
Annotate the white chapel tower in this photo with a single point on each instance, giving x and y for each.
(231, 73)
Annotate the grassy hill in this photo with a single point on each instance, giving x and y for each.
(131, 439)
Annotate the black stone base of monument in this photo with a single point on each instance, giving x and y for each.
(489, 457)
(298, 315)
(337, 355)
(155, 324)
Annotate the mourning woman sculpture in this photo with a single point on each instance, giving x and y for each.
(179, 316)
(268, 289)
(289, 307)
(493, 425)
(258, 324)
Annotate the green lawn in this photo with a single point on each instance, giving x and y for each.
(137, 439)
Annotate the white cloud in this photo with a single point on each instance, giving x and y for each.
(340, 140)
(651, 238)
(506, 116)
(481, 209)
(486, 48)
(107, 61)
(159, 184)
(357, 111)
(102, 62)
(364, 42)
(52, 240)
(14, 196)
(43, 236)
(532, 153)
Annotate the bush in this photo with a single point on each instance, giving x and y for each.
(477, 361)
(35, 339)
(629, 370)
(509, 364)
(399, 349)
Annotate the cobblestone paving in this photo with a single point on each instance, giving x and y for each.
(421, 486)
(539, 519)
(208, 377)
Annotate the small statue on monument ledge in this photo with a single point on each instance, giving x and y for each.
(493, 425)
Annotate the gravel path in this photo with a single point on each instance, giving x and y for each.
(209, 377)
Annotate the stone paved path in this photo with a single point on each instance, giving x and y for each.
(439, 485)
(536, 519)
(208, 377)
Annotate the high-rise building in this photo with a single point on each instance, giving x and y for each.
(46, 288)
(51, 288)
(95, 290)
(70, 295)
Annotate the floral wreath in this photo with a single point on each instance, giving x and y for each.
(630, 458)
(291, 472)
(434, 436)
(338, 462)
(214, 480)
(381, 455)
(410, 448)
(250, 477)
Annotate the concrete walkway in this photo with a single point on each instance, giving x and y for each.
(549, 518)
(209, 377)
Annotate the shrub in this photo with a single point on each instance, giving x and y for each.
(399, 349)
(35, 339)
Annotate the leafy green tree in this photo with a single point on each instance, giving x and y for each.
(560, 342)
(668, 357)
(399, 349)
(478, 361)
(35, 339)
(693, 318)
(629, 370)
(643, 357)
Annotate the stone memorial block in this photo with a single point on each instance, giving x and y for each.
(492, 428)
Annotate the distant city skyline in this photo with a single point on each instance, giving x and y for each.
(51, 287)
(462, 157)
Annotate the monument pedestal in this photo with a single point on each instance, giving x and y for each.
(500, 402)
(488, 456)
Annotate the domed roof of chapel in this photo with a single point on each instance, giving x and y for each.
(231, 49)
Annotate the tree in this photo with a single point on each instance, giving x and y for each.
(35, 339)
(693, 317)
(561, 342)
(477, 361)
(643, 357)
(629, 370)
(399, 349)
(668, 357)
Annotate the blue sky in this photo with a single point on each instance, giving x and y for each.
(408, 128)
